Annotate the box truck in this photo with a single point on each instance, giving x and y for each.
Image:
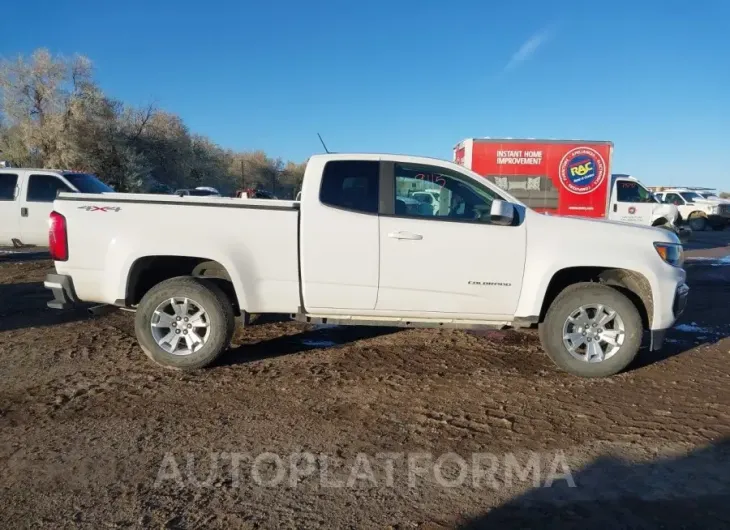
(564, 177)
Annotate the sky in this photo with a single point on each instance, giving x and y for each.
(415, 77)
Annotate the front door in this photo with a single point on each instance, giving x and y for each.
(9, 208)
(40, 192)
(631, 203)
(447, 260)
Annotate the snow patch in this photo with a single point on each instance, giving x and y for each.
(706, 332)
(713, 262)
(318, 327)
(692, 328)
(319, 343)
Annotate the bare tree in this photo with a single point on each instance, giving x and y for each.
(53, 114)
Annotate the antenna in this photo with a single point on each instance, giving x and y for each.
(325, 147)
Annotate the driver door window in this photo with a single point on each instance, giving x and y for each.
(455, 197)
(673, 198)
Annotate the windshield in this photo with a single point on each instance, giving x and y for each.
(86, 183)
(690, 196)
(631, 191)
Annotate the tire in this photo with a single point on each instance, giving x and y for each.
(207, 297)
(697, 224)
(566, 304)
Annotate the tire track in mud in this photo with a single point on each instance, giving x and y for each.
(82, 393)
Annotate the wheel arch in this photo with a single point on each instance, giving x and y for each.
(631, 283)
(147, 271)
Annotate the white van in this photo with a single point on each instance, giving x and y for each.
(26, 201)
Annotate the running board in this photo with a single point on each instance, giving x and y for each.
(401, 322)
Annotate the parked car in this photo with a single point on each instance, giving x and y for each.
(252, 193)
(698, 210)
(346, 254)
(198, 192)
(430, 197)
(26, 200)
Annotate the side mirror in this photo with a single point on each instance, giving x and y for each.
(502, 213)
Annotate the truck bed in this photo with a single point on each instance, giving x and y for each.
(255, 240)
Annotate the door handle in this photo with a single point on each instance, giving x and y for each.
(615, 207)
(405, 235)
(24, 212)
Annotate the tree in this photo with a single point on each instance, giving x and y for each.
(36, 96)
(725, 195)
(53, 114)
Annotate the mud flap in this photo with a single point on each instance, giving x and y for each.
(656, 340)
(61, 286)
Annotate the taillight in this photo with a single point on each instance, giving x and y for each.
(57, 237)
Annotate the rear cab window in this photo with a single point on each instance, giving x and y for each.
(87, 183)
(351, 185)
(44, 188)
(8, 186)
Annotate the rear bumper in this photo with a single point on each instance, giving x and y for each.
(62, 288)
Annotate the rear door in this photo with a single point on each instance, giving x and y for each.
(339, 249)
(631, 203)
(9, 207)
(39, 193)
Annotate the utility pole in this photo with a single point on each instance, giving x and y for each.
(243, 175)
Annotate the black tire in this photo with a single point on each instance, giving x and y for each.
(206, 294)
(697, 223)
(575, 296)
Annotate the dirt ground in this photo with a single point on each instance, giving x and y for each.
(290, 430)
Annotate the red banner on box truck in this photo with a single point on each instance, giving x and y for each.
(562, 177)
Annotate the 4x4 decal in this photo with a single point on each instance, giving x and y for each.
(100, 208)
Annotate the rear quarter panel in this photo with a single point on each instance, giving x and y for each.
(257, 245)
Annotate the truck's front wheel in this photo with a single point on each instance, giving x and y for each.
(184, 323)
(591, 330)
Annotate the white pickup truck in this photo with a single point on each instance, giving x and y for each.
(26, 200)
(351, 252)
(697, 207)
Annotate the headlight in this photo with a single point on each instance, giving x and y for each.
(672, 253)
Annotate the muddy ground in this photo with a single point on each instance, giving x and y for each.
(289, 430)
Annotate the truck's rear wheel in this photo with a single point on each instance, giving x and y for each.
(184, 323)
(591, 330)
(697, 223)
